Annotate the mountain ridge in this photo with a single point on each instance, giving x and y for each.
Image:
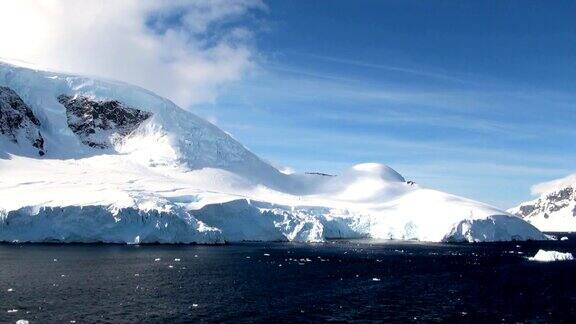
(554, 210)
(158, 173)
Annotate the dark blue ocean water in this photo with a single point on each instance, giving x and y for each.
(285, 282)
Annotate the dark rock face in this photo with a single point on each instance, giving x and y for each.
(100, 124)
(320, 174)
(17, 120)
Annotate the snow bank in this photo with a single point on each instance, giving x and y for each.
(549, 256)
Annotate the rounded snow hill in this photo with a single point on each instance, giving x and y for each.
(148, 171)
(365, 182)
(375, 171)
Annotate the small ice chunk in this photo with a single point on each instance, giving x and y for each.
(12, 311)
(22, 321)
(548, 256)
(10, 289)
(194, 305)
(247, 257)
(55, 260)
(563, 238)
(266, 254)
(176, 260)
(136, 275)
(375, 279)
(170, 266)
(157, 259)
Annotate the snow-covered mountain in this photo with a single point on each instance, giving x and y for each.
(554, 210)
(87, 160)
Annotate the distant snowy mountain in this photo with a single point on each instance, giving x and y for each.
(86, 160)
(554, 210)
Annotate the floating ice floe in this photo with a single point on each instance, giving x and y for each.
(563, 238)
(22, 321)
(549, 256)
(176, 260)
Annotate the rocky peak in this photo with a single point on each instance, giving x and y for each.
(549, 203)
(100, 124)
(18, 122)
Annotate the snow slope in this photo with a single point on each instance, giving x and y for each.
(121, 164)
(554, 210)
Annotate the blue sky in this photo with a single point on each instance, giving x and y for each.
(476, 98)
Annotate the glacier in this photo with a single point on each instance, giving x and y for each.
(120, 164)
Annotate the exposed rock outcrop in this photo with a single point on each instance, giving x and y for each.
(548, 204)
(18, 122)
(554, 211)
(100, 124)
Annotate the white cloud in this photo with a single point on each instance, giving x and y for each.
(184, 50)
(545, 187)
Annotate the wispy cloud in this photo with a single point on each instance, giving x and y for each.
(544, 187)
(350, 146)
(503, 112)
(390, 68)
(184, 50)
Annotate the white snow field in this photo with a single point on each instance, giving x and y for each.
(120, 164)
(549, 256)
